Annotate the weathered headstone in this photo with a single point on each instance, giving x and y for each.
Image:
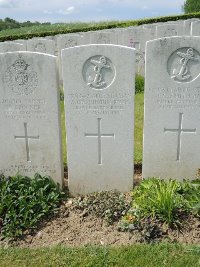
(67, 41)
(29, 112)
(99, 94)
(136, 37)
(41, 46)
(172, 107)
(103, 37)
(195, 28)
(188, 26)
(168, 30)
(11, 47)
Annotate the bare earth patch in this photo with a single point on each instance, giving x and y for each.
(73, 227)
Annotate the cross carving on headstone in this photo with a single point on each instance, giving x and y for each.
(99, 135)
(27, 137)
(180, 130)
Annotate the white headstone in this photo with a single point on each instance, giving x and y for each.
(136, 37)
(41, 45)
(188, 26)
(195, 28)
(67, 41)
(172, 107)
(11, 47)
(169, 29)
(103, 37)
(99, 95)
(29, 106)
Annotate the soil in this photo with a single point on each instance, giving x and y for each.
(73, 227)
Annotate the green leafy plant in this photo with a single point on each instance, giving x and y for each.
(24, 202)
(190, 190)
(139, 84)
(108, 205)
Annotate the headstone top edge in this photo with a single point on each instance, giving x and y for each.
(29, 52)
(97, 46)
(186, 38)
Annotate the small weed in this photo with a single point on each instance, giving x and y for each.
(108, 205)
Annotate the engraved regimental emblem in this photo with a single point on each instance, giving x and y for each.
(183, 65)
(98, 72)
(20, 77)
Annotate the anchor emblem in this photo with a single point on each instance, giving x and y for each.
(183, 74)
(97, 80)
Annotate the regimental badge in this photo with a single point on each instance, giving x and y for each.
(21, 78)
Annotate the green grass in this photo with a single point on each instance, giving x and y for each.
(139, 115)
(139, 110)
(162, 255)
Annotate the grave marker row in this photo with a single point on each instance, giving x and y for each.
(99, 104)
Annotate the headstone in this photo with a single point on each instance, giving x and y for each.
(11, 47)
(188, 26)
(29, 106)
(103, 37)
(67, 41)
(172, 107)
(136, 37)
(41, 46)
(195, 28)
(99, 94)
(168, 30)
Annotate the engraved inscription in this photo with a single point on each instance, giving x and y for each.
(99, 135)
(99, 103)
(179, 131)
(20, 77)
(170, 32)
(183, 65)
(26, 137)
(176, 97)
(70, 43)
(40, 47)
(102, 39)
(27, 169)
(19, 108)
(98, 72)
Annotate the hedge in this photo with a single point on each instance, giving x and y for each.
(99, 27)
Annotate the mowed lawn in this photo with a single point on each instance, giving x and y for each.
(139, 109)
(157, 255)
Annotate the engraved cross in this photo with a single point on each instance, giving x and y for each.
(99, 135)
(180, 130)
(27, 137)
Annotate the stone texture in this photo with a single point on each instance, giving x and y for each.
(11, 47)
(172, 107)
(103, 37)
(170, 29)
(41, 46)
(30, 139)
(195, 28)
(188, 26)
(99, 94)
(137, 37)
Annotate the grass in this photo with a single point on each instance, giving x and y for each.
(161, 255)
(139, 116)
